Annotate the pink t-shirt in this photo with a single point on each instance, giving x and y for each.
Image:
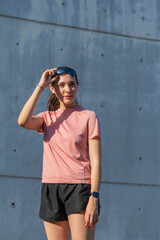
(66, 135)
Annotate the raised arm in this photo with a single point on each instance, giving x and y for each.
(26, 118)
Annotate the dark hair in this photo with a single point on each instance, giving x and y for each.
(53, 102)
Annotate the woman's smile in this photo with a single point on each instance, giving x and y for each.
(69, 96)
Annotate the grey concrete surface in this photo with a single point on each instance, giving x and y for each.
(137, 18)
(114, 47)
(20, 201)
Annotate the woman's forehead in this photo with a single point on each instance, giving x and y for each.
(66, 78)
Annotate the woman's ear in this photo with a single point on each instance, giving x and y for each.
(51, 88)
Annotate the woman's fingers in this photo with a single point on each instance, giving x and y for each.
(50, 71)
(87, 219)
(54, 69)
(45, 78)
(90, 220)
(54, 79)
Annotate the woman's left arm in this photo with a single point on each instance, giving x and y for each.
(95, 152)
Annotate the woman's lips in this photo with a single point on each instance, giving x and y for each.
(68, 96)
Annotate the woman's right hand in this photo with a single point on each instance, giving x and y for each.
(26, 118)
(45, 80)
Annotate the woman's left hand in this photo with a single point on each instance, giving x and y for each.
(91, 212)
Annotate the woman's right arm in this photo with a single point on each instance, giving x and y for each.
(26, 118)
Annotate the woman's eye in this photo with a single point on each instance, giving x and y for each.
(62, 85)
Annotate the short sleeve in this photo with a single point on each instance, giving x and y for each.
(40, 131)
(93, 126)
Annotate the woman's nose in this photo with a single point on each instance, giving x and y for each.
(67, 88)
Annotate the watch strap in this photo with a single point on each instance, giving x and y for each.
(94, 194)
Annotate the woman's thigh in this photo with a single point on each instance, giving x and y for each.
(78, 229)
(57, 230)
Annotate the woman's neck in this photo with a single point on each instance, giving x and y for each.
(64, 107)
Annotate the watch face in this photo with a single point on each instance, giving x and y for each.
(95, 194)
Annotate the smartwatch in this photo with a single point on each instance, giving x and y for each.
(94, 194)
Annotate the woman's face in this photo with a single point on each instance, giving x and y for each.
(65, 88)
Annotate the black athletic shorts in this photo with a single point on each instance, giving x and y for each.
(60, 200)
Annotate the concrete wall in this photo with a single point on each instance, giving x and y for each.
(114, 46)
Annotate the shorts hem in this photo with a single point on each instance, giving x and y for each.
(52, 220)
(79, 210)
(76, 210)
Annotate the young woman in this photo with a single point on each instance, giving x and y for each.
(71, 174)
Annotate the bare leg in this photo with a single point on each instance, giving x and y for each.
(57, 231)
(78, 229)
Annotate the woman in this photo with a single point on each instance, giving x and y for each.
(71, 159)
